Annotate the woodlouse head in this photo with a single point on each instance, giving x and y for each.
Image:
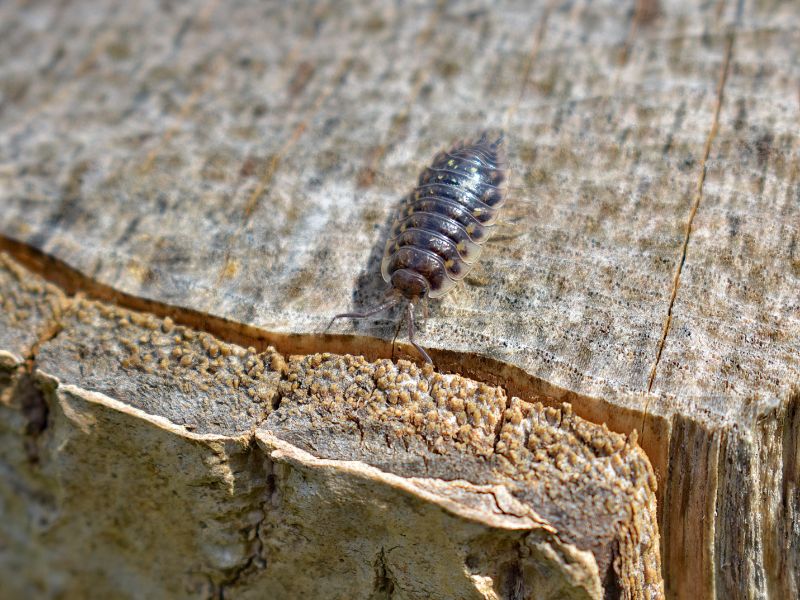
(410, 284)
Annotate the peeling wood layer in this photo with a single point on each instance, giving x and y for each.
(510, 492)
(580, 478)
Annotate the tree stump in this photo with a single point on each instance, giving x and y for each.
(190, 192)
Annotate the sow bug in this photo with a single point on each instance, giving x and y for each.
(439, 230)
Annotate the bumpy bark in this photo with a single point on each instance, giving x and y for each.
(147, 458)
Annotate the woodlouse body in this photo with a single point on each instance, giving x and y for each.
(441, 226)
(438, 234)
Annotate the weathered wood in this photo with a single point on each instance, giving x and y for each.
(226, 165)
(192, 466)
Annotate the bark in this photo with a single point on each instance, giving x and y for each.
(145, 458)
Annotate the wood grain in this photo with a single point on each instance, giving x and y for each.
(235, 167)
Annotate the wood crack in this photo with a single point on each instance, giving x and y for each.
(385, 584)
(246, 463)
(538, 38)
(698, 196)
(255, 561)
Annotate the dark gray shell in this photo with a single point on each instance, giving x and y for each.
(442, 224)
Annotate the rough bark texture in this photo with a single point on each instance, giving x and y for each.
(145, 459)
(234, 167)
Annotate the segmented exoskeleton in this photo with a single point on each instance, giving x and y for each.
(440, 227)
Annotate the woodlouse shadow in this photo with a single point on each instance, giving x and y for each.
(371, 290)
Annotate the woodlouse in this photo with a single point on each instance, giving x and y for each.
(440, 227)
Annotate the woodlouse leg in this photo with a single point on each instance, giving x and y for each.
(419, 348)
(511, 230)
(396, 333)
(367, 313)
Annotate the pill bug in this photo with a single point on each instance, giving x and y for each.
(440, 227)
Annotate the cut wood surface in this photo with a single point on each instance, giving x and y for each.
(235, 168)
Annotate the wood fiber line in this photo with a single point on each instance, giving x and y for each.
(644, 12)
(267, 177)
(262, 188)
(191, 101)
(185, 112)
(291, 63)
(536, 44)
(698, 196)
(101, 38)
(297, 133)
(366, 175)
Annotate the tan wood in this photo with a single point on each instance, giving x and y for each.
(235, 168)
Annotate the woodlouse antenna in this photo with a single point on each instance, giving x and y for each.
(498, 136)
(420, 349)
(367, 313)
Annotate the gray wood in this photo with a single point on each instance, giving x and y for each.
(235, 166)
